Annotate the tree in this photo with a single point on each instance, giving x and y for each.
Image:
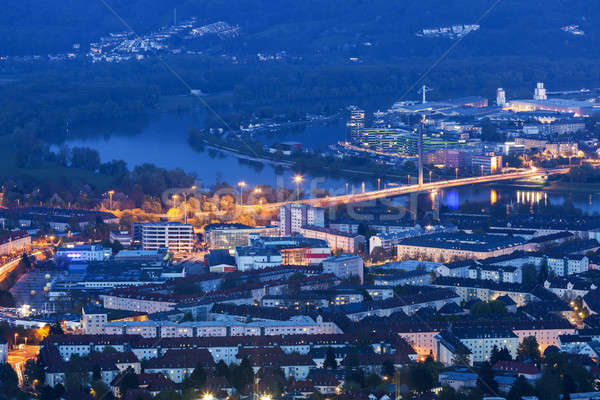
(486, 381)
(26, 261)
(372, 380)
(56, 329)
(168, 395)
(183, 287)
(197, 378)
(520, 388)
(462, 356)
(221, 369)
(388, 369)
(489, 307)
(419, 377)
(76, 374)
(96, 373)
(330, 361)
(241, 375)
(128, 381)
(7, 299)
(9, 383)
(529, 349)
(99, 389)
(448, 393)
(33, 372)
(500, 355)
(378, 254)
(544, 272)
(530, 275)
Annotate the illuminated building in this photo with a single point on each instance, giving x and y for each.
(83, 253)
(500, 97)
(293, 216)
(579, 108)
(14, 242)
(356, 123)
(229, 236)
(175, 236)
(3, 351)
(540, 92)
(486, 164)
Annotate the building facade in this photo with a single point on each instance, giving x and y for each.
(292, 217)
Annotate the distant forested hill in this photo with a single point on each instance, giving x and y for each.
(329, 27)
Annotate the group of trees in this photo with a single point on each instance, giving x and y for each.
(487, 308)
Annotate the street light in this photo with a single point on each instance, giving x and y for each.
(408, 180)
(242, 185)
(185, 196)
(378, 183)
(456, 170)
(15, 343)
(110, 195)
(298, 180)
(430, 172)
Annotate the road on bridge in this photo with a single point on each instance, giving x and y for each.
(402, 190)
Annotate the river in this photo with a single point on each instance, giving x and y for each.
(163, 141)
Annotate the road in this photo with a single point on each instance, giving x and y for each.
(17, 358)
(11, 265)
(402, 190)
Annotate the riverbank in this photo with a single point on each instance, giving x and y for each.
(549, 186)
(300, 161)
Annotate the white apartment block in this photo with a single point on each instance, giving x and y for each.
(175, 236)
(293, 216)
(14, 242)
(3, 351)
(345, 267)
(568, 265)
(92, 322)
(136, 303)
(346, 242)
(480, 343)
(298, 325)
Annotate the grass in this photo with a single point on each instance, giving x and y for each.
(47, 172)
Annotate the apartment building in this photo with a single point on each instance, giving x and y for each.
(293, 216)
(346, 242)
(175, 236)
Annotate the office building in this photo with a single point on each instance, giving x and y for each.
(294, 250)
(539, 92)
(355, 124)
(251, 257)
(123, 237)
(175, 236)
(293, 216)
(230, 236)
(83, 253)
(486, 164)
(500, 97)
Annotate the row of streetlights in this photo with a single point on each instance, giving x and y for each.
(297, 180)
